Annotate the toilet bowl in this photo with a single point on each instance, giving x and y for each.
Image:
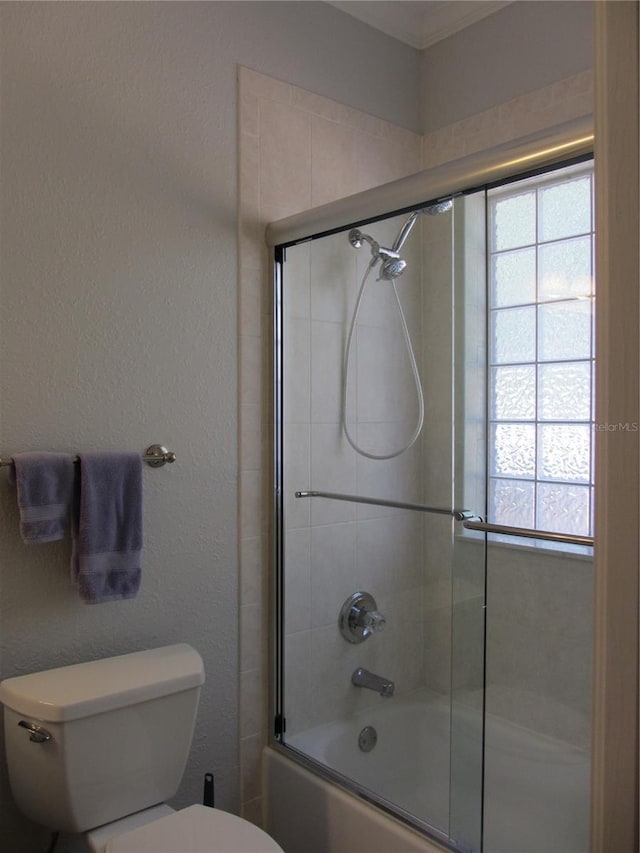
(97, 748)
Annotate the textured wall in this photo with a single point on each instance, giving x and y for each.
(525, 46)
(119, 204)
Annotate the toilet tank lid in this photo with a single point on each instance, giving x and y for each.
(83, 689)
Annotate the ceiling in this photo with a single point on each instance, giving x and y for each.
(420, 23)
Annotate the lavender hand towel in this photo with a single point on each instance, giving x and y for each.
(107, 541)
(45, 488)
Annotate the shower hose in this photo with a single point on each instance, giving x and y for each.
(412, 361)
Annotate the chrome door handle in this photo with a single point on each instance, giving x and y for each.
(36, 733)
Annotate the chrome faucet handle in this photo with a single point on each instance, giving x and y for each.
(371, 621)
(360, 618)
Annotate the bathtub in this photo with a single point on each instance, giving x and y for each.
(536, 789)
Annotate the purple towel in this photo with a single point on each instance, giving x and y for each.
(105, 562)
(45, 488)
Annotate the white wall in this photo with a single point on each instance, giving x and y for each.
(118, 304)
(523, 47)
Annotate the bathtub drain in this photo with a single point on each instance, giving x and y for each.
(367, 738)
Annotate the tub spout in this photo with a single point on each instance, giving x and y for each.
(363, 678)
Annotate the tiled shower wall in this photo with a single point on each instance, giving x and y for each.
(335, 548)
(299, 150)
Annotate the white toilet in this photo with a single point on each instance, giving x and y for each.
(97, 748)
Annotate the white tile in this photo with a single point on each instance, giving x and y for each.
(297, 475)
(386, 383)
(327, 370)
(252, 569)
(297, 282)
(251, 637)
(333, 156)
(297, 371)
(333, 277)
(285, 160)
(297, 580)
(333, 575)
(298, 680)
(333, 469)
(252, 702)
(389, 553)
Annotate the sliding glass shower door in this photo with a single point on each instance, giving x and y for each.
(381, 418)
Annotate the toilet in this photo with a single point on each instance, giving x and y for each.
(97, 748)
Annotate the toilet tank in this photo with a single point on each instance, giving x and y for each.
(121, 731)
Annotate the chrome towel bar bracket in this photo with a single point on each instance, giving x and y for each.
(156, 455)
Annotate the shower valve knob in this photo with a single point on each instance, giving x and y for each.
(371, 621)
(360, 618)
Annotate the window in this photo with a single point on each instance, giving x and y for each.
(541, 352)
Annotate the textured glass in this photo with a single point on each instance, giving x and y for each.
(514, 450)
(564, 391)
(564, 330)
(513, 337)
(514, 393)
(565, 269)
(565, 209)
(514, 222)
(564, 452)
(563, 509)
(513, 278)
(512, 502)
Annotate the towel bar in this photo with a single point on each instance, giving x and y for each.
(155, 455)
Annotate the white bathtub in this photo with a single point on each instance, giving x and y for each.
(536, 789)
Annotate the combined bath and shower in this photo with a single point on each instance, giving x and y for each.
(392, 265)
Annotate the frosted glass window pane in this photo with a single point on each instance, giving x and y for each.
(564, 330)
(565, 209)
(514, 451)
(564, 452)
(563, 509)
(513, 278)
(565, 269)
(513, 338)
(514, 222)
(564, 391)
(512, 502)
(514, 393)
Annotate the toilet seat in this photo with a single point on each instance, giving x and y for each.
(196, 829)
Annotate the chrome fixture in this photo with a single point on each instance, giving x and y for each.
(457, 514)
(391, 267)
(359, 617)
(367, 739)
(36, 733)
(476, 523)
(156, 455)
(392, 264)
(363, 678)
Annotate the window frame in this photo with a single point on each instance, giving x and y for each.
(543, 180)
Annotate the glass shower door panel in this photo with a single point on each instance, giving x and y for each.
(468, 560)
(375, 714)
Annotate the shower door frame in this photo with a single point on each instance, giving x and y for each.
(570, 142)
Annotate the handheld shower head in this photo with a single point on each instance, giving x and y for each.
(392, 265)
(391, 268)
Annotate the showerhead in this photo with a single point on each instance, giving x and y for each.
(391, 268)
(438, 208)
(392, 264)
